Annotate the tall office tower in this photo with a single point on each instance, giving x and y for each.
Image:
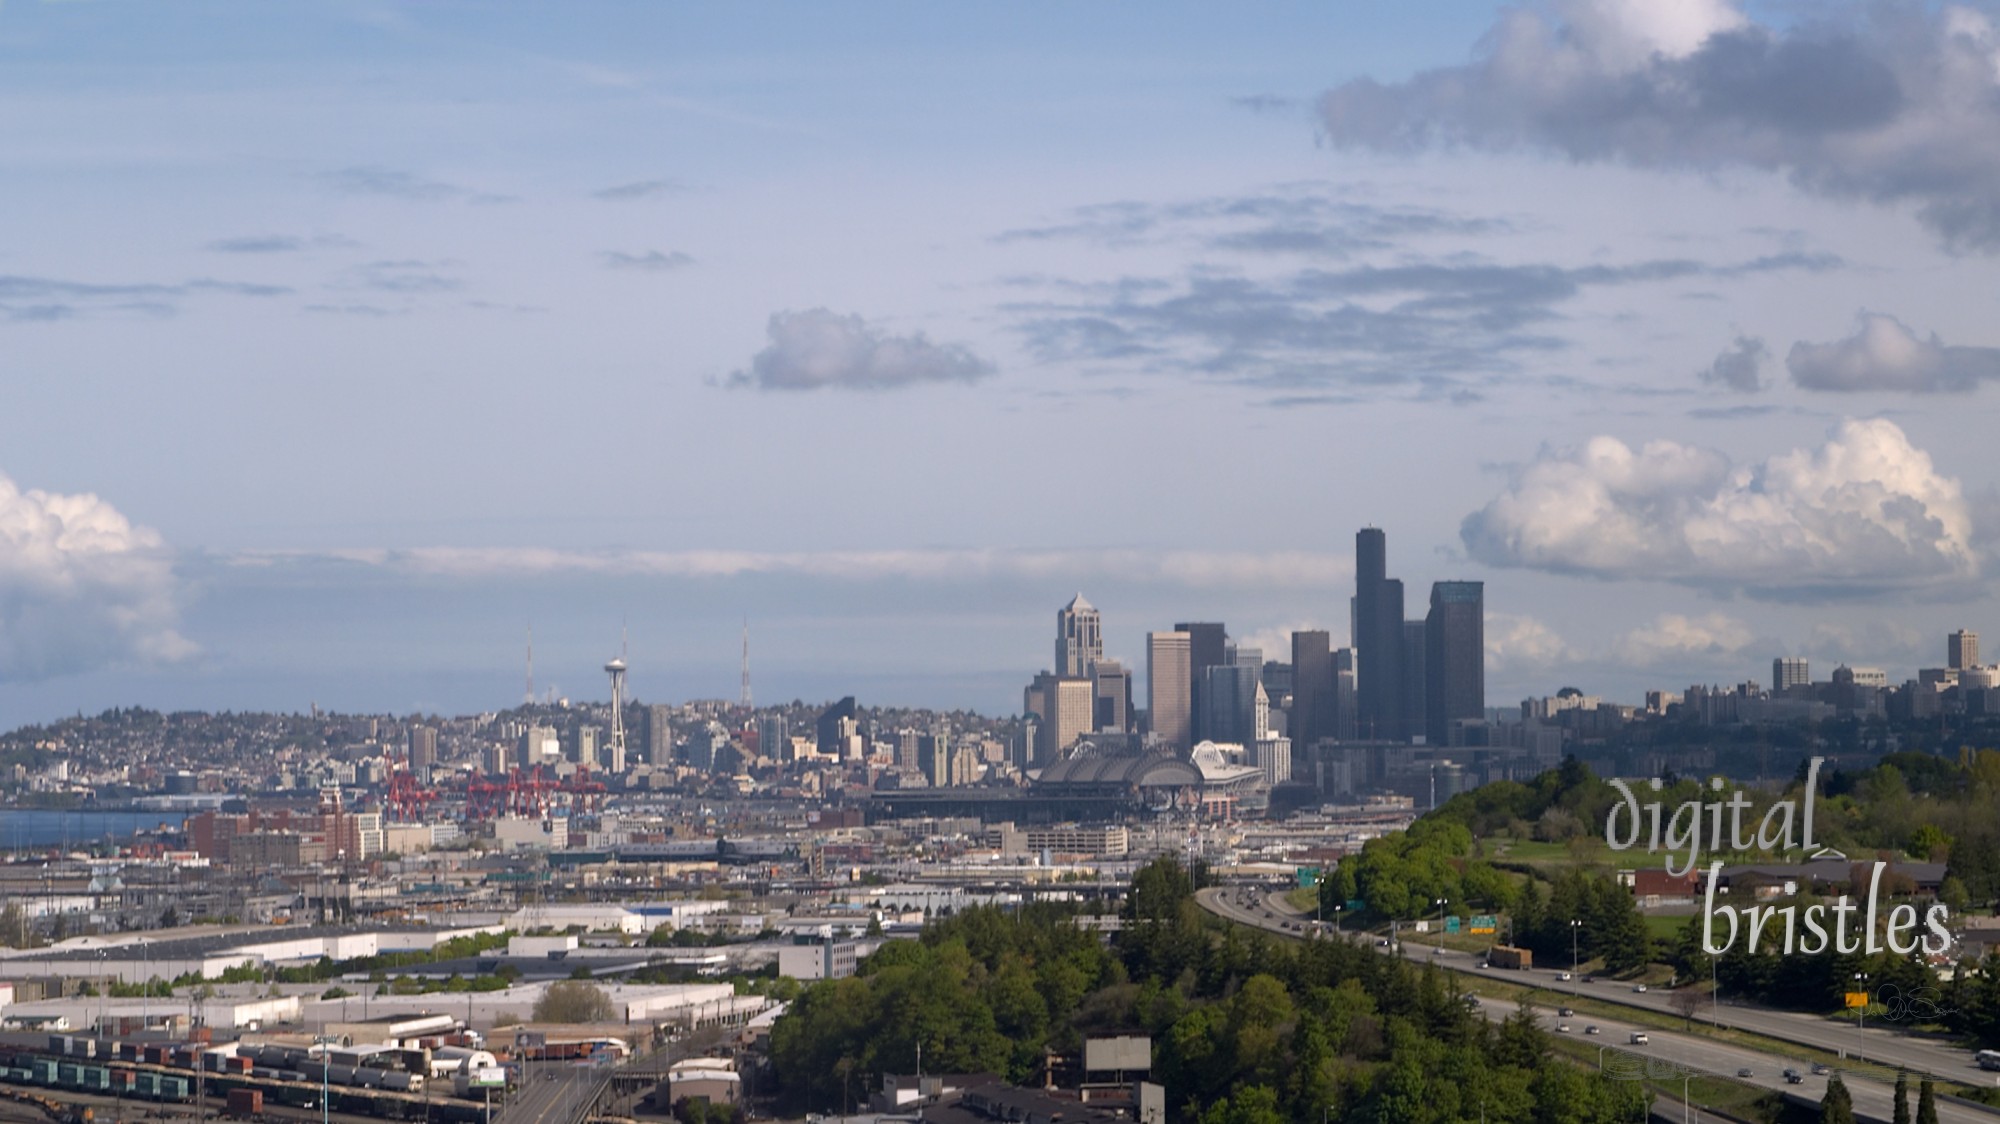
(1378, 640)
(1346, 696)
(1229, 703)
(1079, 639)
(1170, 688)
(933, 752)
(659, 733)
(1035, 696)
(540, 745)
(1416, 676)
(423, 751)
(1312, 688)
(829, 736)
(1114, 697)
(1208, 644)
(774, 738)
(1961, 650)
(1072, 706)
(583, 746)
(1788, 672)
(906, 749)
(1455, 655)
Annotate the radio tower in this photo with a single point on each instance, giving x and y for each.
(528, 699)
(746, 665)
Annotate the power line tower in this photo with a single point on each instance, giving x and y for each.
(747, 705)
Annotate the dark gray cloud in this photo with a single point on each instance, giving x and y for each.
(399, 184)
(408, 276)
(1269, 103)
(1422, 325)
(652, 261)
(1290, 219)
(278, 243)
(1894, 105)
(816, 348)
(1740, 366)
(643, 189)
(1884, 354)
(48, 299)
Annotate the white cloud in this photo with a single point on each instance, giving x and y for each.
(1673, 640)
(1198, 569)
(1889, 103)
(1864, 513)
(1515, 641)
(1884, 354)
(817, 348)
(80, 587)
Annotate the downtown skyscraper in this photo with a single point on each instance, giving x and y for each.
(1378, 640)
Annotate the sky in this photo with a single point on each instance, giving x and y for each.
(343, 344)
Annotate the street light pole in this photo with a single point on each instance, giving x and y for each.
(1440, 904)
(1574, 987)
(1862, 977)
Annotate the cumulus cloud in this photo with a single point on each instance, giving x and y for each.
(1862, 514)
(815, 348)
(1675, 640)
(1884, 354)
(1740, 366)
(1515, 640)
(1896, 104)
(80, 587)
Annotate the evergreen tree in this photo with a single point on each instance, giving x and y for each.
(1902, 1097)
(1837, 1107)
(1926, 1103)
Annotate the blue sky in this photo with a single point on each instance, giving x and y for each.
(342, 342)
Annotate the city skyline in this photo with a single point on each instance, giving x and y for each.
(327, 325)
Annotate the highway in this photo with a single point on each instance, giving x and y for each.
(1669, 1052)
(553, 1093)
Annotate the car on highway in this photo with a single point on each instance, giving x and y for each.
(1744, 1071)
(1793, 1076)
(1382, 943)
(1591, 1029)
(1563, 976)
(1562, 1028)
(1638, 987)
(1638, 1038)
(1565, 1012)
(1821, 1069)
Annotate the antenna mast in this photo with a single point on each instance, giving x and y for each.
(746, 664)
(528, 698)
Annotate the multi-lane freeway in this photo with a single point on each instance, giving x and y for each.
(1666, 1051)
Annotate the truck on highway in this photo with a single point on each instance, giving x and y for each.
(1506, 956)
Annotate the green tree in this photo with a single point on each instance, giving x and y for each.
(1902, 1109)
(1926, 1102)
(574, 1001)
(1836, 1107)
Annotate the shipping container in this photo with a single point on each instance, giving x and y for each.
(245, 1102)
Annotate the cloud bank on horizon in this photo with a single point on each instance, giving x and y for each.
(1897, 107)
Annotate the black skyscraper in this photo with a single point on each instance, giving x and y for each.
(1312, 716)
(1378, 640)
(1455, 650)
(1206, 642)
